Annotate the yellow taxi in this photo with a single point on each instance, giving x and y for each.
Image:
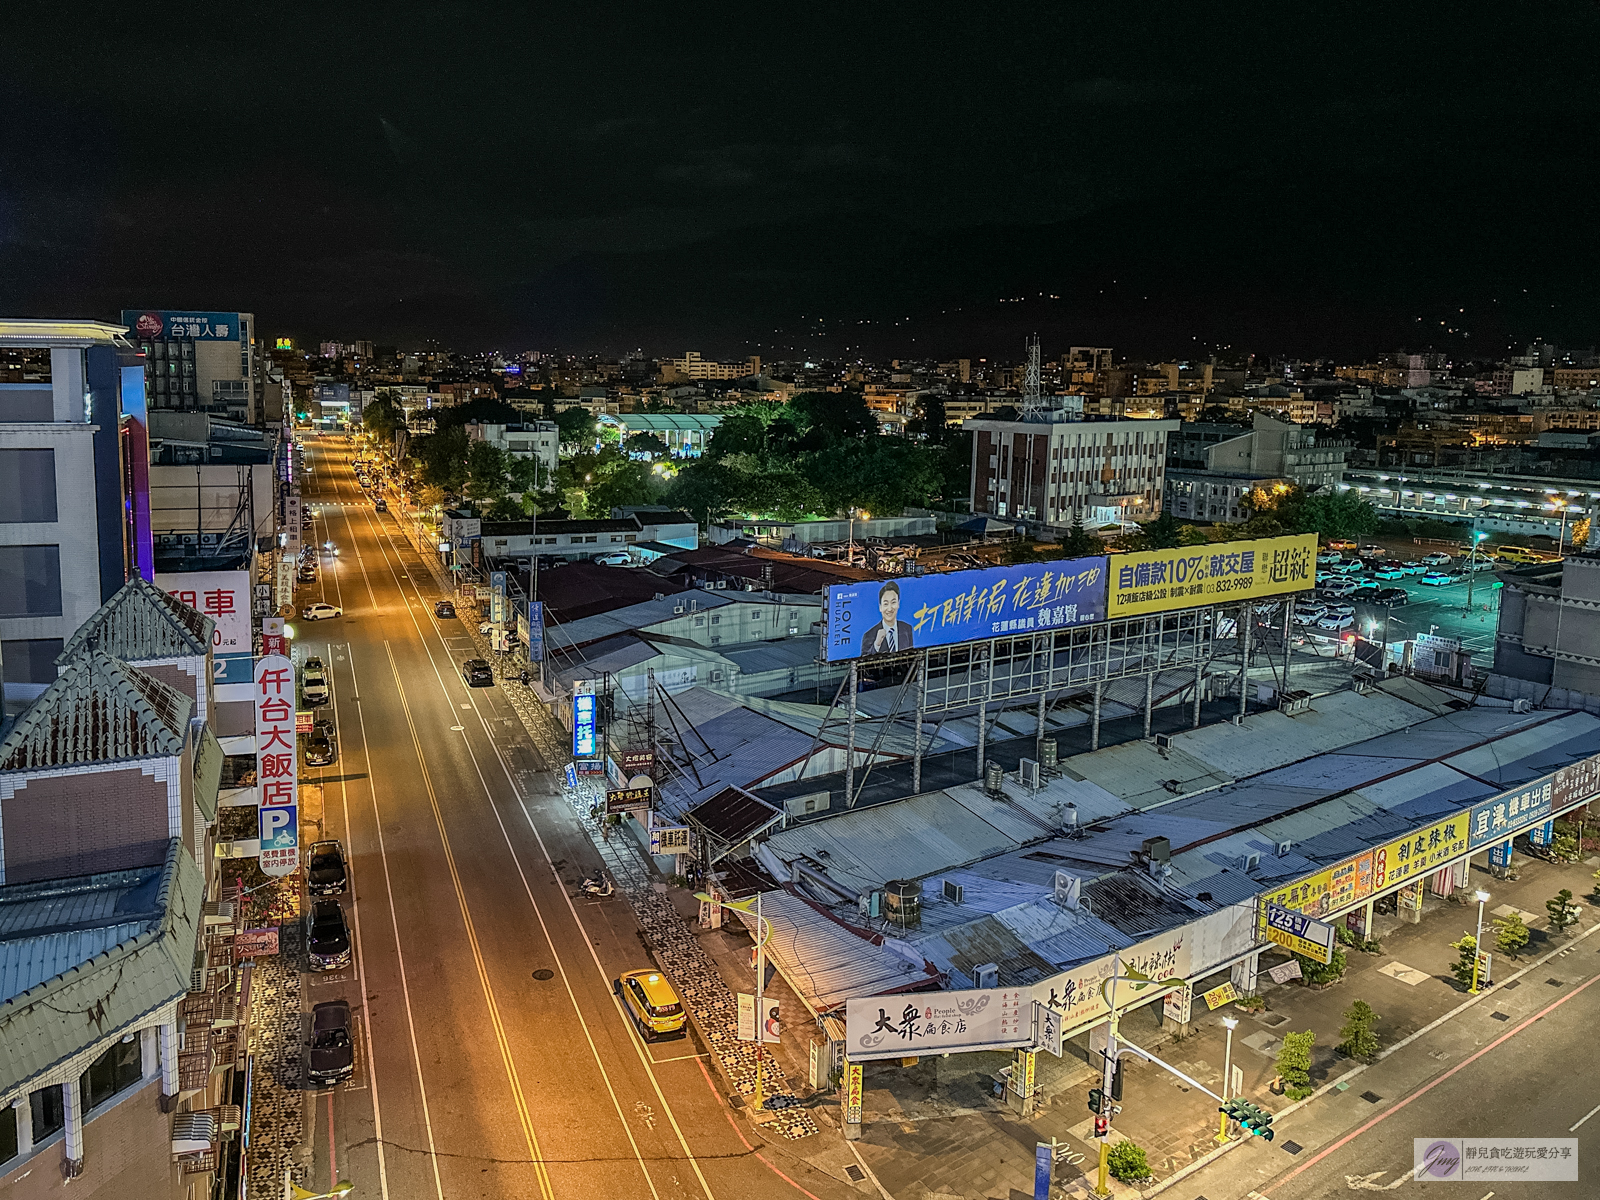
(651, 1002)
(1516, 555)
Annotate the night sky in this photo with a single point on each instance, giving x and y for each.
(882, 179)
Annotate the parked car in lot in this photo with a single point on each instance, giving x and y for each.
(1365, 595)
(327, 936)
(1341, 544)
(314, 681)
(1348, 568)
(1392, 596)
(1413, 568)
(1388, 573)
(1336, 623)
(321, 612)
(1310, 614)
(650, 1002)
(1437, 579)
(1372, 550)
(1480, 563)
(322, 747)
(1341, 610)
(1516, 555)
(444, 609)
(1341, 586)
(477, 672)
(1437, 559)
(617, 558)
(331, 1056)
(1329, 556)
(325, 869)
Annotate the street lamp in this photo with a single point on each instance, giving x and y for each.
(865, 516)
(1482, 897)
(1472, 565)
(1230, 1024)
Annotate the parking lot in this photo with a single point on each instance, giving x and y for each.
(1441, 610)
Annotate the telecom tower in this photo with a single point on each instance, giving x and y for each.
(1032, 401)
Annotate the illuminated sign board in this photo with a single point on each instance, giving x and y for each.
(275, 764)
(584, 741)
(874, 617)
(1152, 581)
(182, 326)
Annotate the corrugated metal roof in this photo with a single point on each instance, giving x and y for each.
(614, 654)
(97, 710)
(826, 962)
(774, 655)
(97, 987)
(1532, 752)
(142, 622)
(630, 619)
(738, 748)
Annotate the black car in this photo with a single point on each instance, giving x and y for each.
(322, 747)
(477, 673)
(331, 1056)
(444, 609)
(1392, 596)
(325, 874)
(327, 936)
(1364, 595)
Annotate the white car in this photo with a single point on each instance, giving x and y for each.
(1329, 556)
(1310, 614)
(1436, 579)
(1349, 568)
(1437, 559)
(617, 558)
(1336, 623)
(1340, 586)
(1388, 573)
(1341, 610)
(321, 612)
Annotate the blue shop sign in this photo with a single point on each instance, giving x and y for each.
(1496, 820)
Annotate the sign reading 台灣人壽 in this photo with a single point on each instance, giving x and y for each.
(163, 325)
(1421, 852)
(1189, 576)
(963, 606)
(1299, 933)
(275, 764)
(224, 596)
(930, 1022)
(1494, 820)
(1078, 995)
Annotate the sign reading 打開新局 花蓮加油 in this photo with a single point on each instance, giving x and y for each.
(1151, 581)
(876, 617)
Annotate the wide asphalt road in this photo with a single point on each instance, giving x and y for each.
(493, 1059)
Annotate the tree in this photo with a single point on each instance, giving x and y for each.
(1510, 933)
(829, 417)
(1580, 533)
(1336, 515)
(1462, 967)
(442, 459)
(486, 473)
(645, 443)
(706, 490)
(430, 496)
(1313, 971)
(1079, 542)
(631, 483)
(1161, 534)
(576, 425)
(1191, 535)
(1359, 1038)
(383, 415)
(1294, 1063)
(1563, 912)
(737, 434)
(1128, 1163)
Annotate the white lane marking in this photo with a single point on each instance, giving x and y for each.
(1585, 1117)
(527, 888)
(1369, 1183)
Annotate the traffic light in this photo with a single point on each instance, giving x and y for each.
(1102, 1127)
(1097, 1100)
(1250, 1118)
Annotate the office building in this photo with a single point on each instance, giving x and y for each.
(1211, 468)
(74, 490)
(199, 361)
(537, 440)
(1054, 470)
(692, 366)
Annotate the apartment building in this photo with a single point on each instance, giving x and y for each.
(1211, 468)
(199, 361)
(1055, 470)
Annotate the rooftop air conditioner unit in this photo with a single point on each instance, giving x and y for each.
(679, 610)
(988, 975)
(1247, 862)
(1163, 741)
(1068, 889)
(1028, 771)
(953, 891)
(1523, 705)
(1284, 848)
(1237, 719)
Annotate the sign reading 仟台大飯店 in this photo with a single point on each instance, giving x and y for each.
(275, 764)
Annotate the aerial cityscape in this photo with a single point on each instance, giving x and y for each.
(589, 610)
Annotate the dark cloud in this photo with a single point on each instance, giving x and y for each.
(899, 178)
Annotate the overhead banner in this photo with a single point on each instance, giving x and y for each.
(274, 692)
(1150, 581)
(1423, 851)
(1492, 820)
(873, 617)
(1299, 933)
(933, 1022)
(1077, 993)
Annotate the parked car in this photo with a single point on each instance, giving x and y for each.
(1480, 563)
(1310, 614)
(477, 672)
(325, 869)
(1329, 556)
(1372, 550)
(1388, 573)
(327, 936)
(314, 681)
(1437, 579)
(322, 747)
(1413, 568)
(1364, 595)
(1437, 559)
(1349, 568)
(1341, 610)
(1341, 586)
(649, 1000)
(306, 574)
(617, 558)
(321, 612)
(444, 609)
(1392, 596)
(1341, 544)
(1517, 555)
(549, 562)
(331, 1056)
(1336, 623)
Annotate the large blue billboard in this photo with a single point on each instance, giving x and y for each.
(163, 325)
(878, 617)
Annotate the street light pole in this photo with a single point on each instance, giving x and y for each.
(1230, 1024)
(761, 1010)
(1482, 898)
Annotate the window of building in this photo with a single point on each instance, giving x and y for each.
(117, 1070)
(29, 665)
(592, 538)
(616, 537)
(30, 581)
(27, 486)
(8, 1133)
(715, 619)
(49, 1113)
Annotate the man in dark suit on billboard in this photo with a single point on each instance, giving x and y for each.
(892, 634)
